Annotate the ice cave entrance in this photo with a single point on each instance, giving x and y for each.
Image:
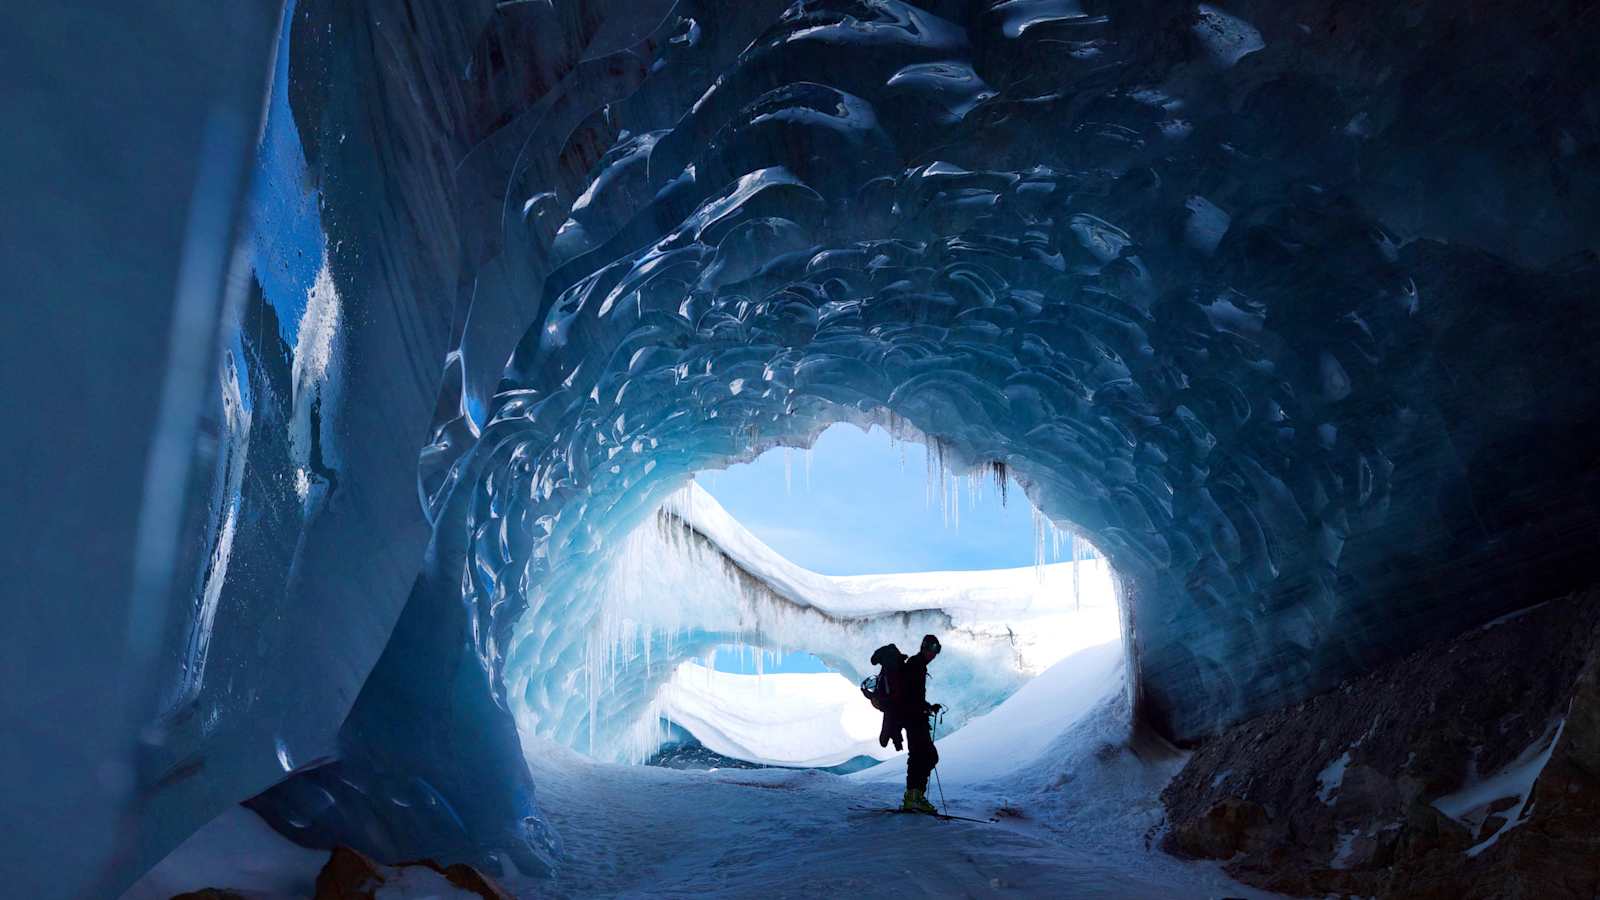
(780, 576)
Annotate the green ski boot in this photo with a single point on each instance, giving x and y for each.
(916, 801)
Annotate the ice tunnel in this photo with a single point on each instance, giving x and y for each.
(1280, 306)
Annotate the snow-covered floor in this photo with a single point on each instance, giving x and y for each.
(1086, 818)
(1087, 811)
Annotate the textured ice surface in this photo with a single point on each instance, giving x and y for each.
(685, 238)
(1280, 305)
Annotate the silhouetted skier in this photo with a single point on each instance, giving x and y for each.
(909, 691)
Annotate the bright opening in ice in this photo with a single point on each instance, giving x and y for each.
(735, 624)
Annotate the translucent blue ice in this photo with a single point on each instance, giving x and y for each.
(1272, 303)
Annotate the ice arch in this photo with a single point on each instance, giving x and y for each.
(998, 317)
(1195, 274)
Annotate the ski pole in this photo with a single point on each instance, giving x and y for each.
(934, 732)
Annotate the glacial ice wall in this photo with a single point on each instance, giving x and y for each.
(1029, 259)
(1280, 305)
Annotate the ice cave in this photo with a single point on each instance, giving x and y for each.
(373, 365)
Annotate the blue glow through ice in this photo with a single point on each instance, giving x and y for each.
(741, 660)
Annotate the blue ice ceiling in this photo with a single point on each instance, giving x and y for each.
(1194, 275)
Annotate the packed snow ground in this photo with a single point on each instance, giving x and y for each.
(1079, 815)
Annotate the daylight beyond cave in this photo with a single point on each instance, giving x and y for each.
(370, 355)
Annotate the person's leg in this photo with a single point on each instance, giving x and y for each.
(922, 758)
(918, 765)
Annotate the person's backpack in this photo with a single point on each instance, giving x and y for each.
(878, 688)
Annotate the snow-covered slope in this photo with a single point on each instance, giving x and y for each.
(790, 719)
(692, 578)
(1020, 730)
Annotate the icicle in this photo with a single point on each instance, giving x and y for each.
(808, 470)
(939, 482)
(788, 478)
(1038, 544)
(953, 520)
(1077, 589)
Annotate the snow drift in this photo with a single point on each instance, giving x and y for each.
(692, 578)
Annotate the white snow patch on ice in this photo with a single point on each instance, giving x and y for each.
(1331, 777)
(316, 379)
(1469, 806)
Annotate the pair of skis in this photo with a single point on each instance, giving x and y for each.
(895, 810)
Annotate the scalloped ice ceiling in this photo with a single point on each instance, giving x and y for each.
(1196, 276)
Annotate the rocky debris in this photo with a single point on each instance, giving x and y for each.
(1229, 827)
(351, 875)
(1470, 769)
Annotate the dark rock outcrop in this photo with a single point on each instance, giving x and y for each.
(351, 875)
(1469, 769)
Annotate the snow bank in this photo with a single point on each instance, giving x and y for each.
(1020, 730)
(692, 578)
(812, 719)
